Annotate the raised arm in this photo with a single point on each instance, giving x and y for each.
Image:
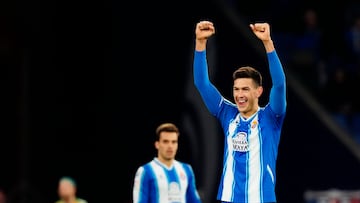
(207, 90)
(278, 90)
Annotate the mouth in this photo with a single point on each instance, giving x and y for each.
(241, 101)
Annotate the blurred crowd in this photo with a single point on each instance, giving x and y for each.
(325, 55)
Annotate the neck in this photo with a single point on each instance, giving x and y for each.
(167, 162)
(248, 114)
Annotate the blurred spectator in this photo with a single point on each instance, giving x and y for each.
(306, 56)
(352, 42)
(352, 38)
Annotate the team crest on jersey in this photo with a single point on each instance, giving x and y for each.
(240, 142)
(254, 124)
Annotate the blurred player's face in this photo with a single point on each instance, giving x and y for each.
(246, 96)
(167, 146)
(66, 190)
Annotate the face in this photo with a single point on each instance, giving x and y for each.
(167, 146)
(246, 96)
(66, 189)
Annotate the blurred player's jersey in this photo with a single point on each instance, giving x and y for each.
(157, 183)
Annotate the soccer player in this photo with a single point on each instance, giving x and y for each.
(165, 179)
(251, 133)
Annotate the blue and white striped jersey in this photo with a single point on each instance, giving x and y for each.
(250, 145)
(156, 183)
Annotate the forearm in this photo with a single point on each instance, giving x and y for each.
(269, 45)
(200, 44)
(278, 90)
(276, 69)
(210, 95)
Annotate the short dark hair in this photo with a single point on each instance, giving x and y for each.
(68, 179)
(248, 72)
(166, 127)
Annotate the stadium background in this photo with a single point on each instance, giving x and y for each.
(84, 84)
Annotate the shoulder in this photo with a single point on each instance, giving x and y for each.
(270, 117)
(266, 111)
(147, 168)
(177, 162)
(186, 166)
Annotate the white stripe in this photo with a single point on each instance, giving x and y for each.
(228, 174)
(271, 173)
(254, 164)
(183, 180)
(137, 185)
(229, 163)
(162, 182)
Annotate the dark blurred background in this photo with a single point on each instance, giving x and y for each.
(84, 85)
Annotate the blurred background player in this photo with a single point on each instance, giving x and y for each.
(67, 191)
(165, 179)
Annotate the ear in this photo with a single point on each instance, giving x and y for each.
(259, 92)
(156, 144)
